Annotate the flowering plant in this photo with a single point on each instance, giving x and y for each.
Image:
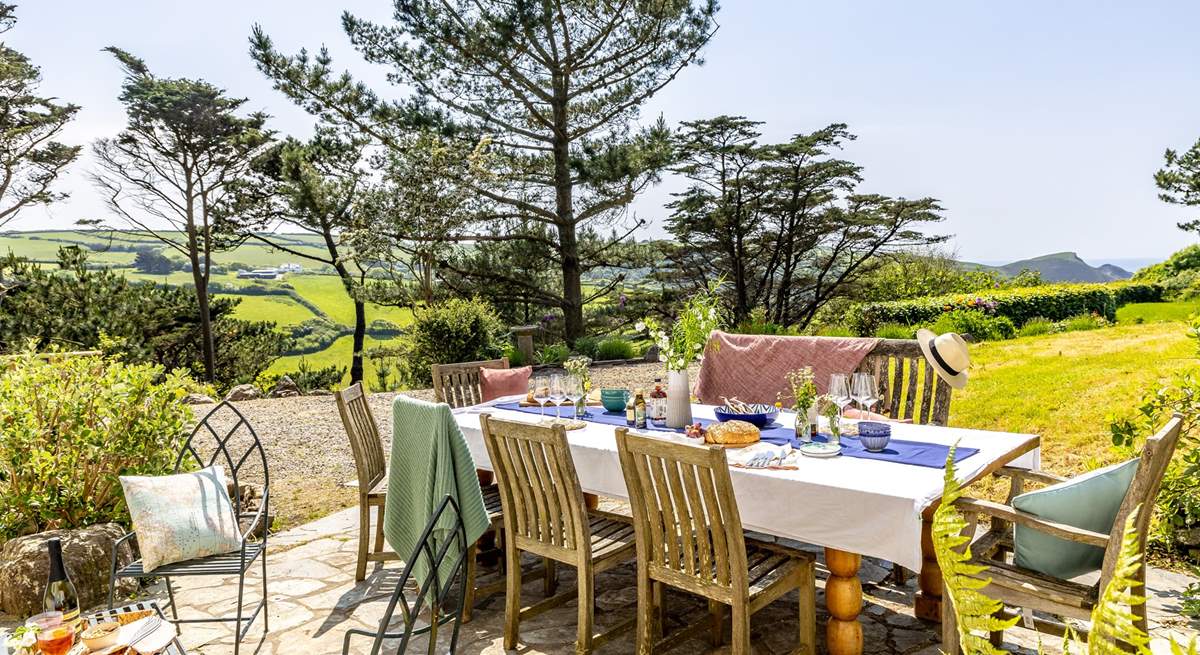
(579, 366)
(22, 640)
(683, 342)
(804, 388)
(831, 411)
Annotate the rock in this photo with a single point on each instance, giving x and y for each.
(87, 553)
(285, 388)
(198, 399)
(243, 392)
(320, 392)
(651, 354)
(1190, 537)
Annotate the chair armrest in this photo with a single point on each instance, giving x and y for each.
(1007, 513)
(1027, 474)
(258, 517)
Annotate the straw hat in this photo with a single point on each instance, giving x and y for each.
(947, 354)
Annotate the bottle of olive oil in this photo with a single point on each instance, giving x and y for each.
(639, 410)
(630, 410)
(60, 593)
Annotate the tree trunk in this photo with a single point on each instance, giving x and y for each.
(568, 244)
(360, 336)
(206, 335)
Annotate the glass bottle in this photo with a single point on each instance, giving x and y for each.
(639, 405)
(658, 402)
(60, 593)
(630, 410)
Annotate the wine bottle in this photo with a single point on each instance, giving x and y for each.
(60, 593)
(639, 410)
(630, 410)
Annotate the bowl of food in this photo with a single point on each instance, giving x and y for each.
(760, 415)
(874, 436)
(614, 399)
(101, 635)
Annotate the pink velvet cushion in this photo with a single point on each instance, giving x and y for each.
(499, 382)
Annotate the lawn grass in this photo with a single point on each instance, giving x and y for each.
(1151, 312)
(1064, 386)
(337, 354)
(283, 310)
(327, 292)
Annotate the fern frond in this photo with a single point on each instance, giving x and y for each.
(1113, 628)
(962, 580)
(1178, 649)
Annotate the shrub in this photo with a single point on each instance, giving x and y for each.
(71, 426)
(1037, 326)
(1084, 322)
(587, 346)
(895, 331)
(516, 358)
(383, 328)
(757, 323)
(834, 331)
(977, 324)
(614, 348)
(457, 330)
(1055, 302)
(314, 335)
(308, 378)
(554, 354)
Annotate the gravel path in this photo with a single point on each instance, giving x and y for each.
(309, 456)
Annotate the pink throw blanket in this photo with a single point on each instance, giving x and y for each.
(753, 367)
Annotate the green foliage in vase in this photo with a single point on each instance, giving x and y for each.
(71, 426)
(685, 340)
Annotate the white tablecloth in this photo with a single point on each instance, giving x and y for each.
(864, 506)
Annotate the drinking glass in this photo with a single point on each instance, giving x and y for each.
(859, 391)
(869, 391)
(557, 395)
(54, 637)
(839, 391)
(573, 390)
(541, 394)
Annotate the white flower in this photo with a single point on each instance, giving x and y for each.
(662, 357)
(640, 326)
(29, 639)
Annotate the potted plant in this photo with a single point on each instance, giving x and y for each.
(680, 345)
(804, 401)
(578, 366)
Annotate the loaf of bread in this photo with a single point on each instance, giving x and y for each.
(732, 433)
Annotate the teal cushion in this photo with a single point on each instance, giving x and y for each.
(1089, 501)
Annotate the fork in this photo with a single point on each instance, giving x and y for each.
(152, 624)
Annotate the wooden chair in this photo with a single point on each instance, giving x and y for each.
(369, 462)
(1023, 588)
(909, 389)
(458, 384)
(689, 536)
(544, 514)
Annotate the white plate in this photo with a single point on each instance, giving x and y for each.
(819, 449)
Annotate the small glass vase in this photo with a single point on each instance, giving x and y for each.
(835, 430)
(581, 408)
(803, 427)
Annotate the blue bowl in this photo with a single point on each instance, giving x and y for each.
(874, 436)
(761, 418)
(614, 399)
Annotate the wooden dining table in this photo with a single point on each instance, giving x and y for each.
(851, 506)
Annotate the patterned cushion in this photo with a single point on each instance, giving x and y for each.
(181, 517)
(499, 382)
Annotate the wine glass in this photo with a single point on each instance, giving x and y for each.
(557, 395)
(541, 394)
(839, 391)
(859, 392)
(54, 636)
(573, 390)
(869, 392)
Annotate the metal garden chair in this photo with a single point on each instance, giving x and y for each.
(247, 450)
(444, 552)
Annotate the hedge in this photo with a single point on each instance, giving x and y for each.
(1055, 302)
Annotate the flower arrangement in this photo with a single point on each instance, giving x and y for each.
(833, 412)
(683, 342)
(579, 366)
(22, 640)
(804, 389)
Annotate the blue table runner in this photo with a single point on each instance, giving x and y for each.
(915, 453)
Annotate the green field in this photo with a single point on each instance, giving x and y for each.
(283, 310)
(337, 354)
(1151, 312)
(327, 292)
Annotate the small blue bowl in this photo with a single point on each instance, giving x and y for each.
(874, 436)
(614, 399)
(760, 418)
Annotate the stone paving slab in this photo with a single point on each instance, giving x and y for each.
(313, 600)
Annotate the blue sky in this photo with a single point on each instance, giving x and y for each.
(1038, 124)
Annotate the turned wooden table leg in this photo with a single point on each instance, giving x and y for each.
(928, 603)
(844, 600)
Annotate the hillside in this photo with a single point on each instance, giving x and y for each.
(1060, 267)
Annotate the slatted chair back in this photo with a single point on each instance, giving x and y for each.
(689, 531)
(909, 389)
(1156, 455)
(225, 437)
(363, 433)
(458, 384)
(539, 489)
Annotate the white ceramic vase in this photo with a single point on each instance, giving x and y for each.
(679, 399)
